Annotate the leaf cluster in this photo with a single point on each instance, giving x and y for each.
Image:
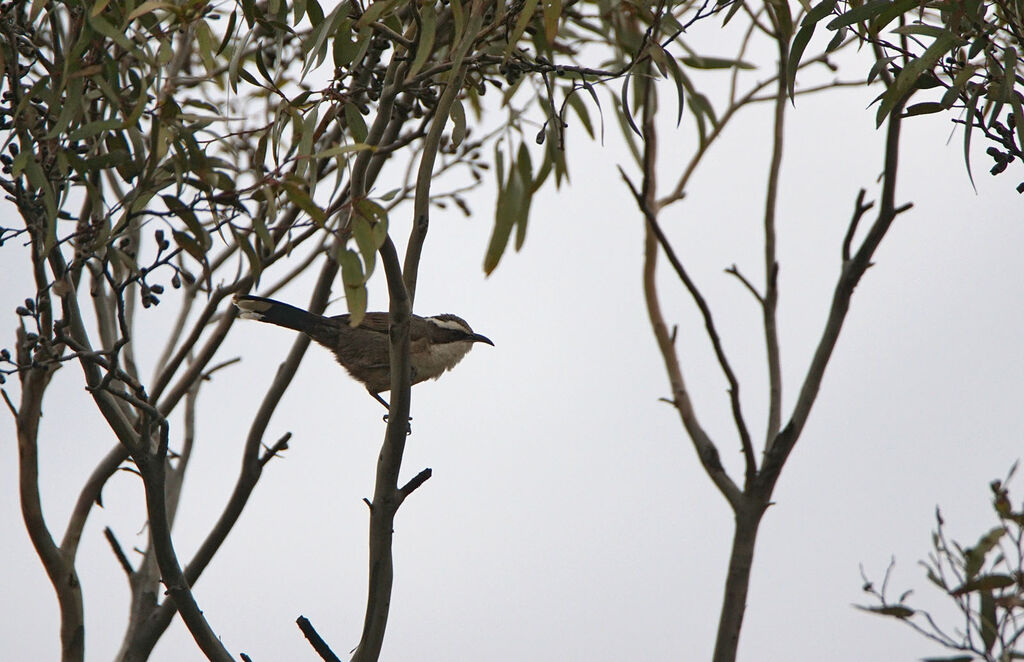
(959, 57)
(985, 582)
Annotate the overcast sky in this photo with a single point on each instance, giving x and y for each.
(567, 517)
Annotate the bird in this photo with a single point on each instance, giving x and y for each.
(436, 344)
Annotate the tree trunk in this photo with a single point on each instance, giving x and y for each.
(748, 518)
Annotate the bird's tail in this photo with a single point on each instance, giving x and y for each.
(275, 312)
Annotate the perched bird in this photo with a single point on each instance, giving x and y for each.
(436, 343)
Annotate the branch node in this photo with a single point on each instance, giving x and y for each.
(734, 270)
(859, 209)
(416, 481)
(276, 449)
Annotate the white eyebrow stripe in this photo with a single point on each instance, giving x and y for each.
(449, 324)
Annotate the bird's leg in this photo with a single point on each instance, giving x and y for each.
(376, 396)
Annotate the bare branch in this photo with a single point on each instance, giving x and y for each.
(859, 209)
(316, 641)
(126, 565)
(90, 495)
(431, 144)
(152, 467)
(416, 481)
(273, 451)
(778, 449)
(707, 452)
(753, 290)
(771, 264)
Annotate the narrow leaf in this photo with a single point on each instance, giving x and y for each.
(525, 14)
(625, 105)
(425, 46)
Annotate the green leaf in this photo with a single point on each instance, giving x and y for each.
(907, 78)
(377, 216)
(524, 173)
(837, 40)
(101, 25)
(147, 7)
(229, 33)
(94, 128)
(932, 31)
(315, 12)
(185, 213)
(189, 245)
(736, 6)
(886, 16)
(702, 62)
(971, 106)
(796, 51)
(818, 12)
(988, 620)
(1018, 119)
(865, 12)
(37, 178)
(458, 115)
(316, 51)
(350, 46)
(425, 40)
(624, 97)
(503, 220)
(577, 104)
(975, 556)
(459, 18)
(205, 41)
(355, 284)
(363, 234)
(525, 14)
(896, 611)
(259, 226)
(356, 123)
(552, 10)
(338, 150)
(255, 263)
(234, 65)
(984, 583)
(301, 199)
(924, 108)
(374, 12)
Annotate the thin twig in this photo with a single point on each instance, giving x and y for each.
(273, 451)
(316, 641)
(415, 482)
(108, 533)
(859, 209)
(753, 290)
(709, 325)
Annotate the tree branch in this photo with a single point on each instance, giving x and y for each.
(771, 265)
(316, 641)
(152, 467)
(431, 144)
(853, 269)
(249, 474)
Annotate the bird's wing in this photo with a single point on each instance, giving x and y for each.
(374, 322)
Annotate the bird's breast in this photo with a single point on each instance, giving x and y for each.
(435, 359)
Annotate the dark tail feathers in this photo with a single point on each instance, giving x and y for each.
(275, 312)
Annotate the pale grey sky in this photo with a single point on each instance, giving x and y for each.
(568, 518)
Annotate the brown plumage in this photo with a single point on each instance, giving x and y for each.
(437, 343)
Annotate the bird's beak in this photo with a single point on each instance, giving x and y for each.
(476, 337)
